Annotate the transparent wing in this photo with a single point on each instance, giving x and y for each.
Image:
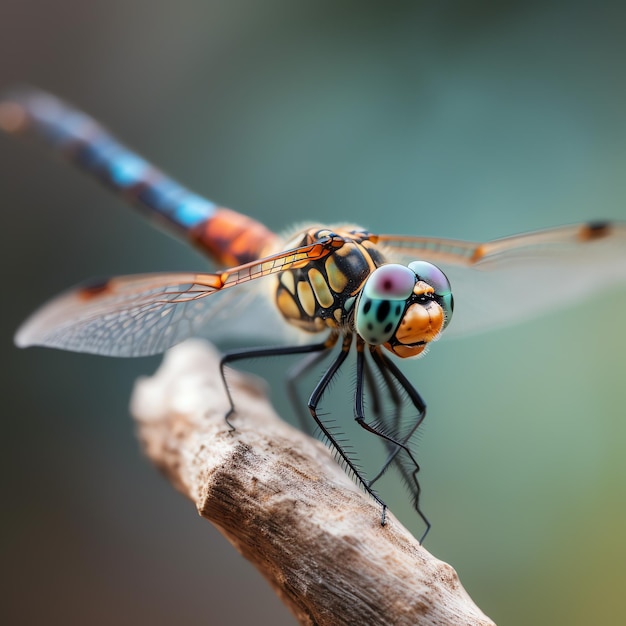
(148, 313)
(509, 280)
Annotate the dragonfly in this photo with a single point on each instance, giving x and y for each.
(326, 291)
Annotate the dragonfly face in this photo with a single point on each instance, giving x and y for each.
(365, 291)
(404, 308)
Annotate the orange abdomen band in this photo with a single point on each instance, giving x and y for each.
(232, 239)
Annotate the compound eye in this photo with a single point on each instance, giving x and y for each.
(382, 302)
(432, 275)
(392, 282)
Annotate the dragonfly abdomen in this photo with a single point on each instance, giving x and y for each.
(321, 294)
(233, 238)
(229, 238)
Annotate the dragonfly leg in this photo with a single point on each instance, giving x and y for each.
(409, 474)
(251, 353)
(377, 407)
(291, 381)
(395, 445)
(372, 386)
(386, 368)
(344, 458)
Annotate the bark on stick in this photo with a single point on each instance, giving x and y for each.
(281, 500)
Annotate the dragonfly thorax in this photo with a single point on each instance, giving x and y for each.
(319, 294)
(404, 308)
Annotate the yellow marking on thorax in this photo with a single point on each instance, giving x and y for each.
(306, 298)
(346, 249)
(369, 244)
(288, 282)
(337, 279)
(287, 305)
(369, 259)
(320, 288)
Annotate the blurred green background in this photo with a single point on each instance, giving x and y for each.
(471, 120)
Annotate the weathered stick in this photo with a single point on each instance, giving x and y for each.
(279, 497)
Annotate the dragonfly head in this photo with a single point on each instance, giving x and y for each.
(404, 308)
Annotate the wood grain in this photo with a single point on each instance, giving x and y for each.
(282, 501)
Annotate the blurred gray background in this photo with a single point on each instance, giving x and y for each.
(471, 120)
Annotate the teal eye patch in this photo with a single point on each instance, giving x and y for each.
(382, 301)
